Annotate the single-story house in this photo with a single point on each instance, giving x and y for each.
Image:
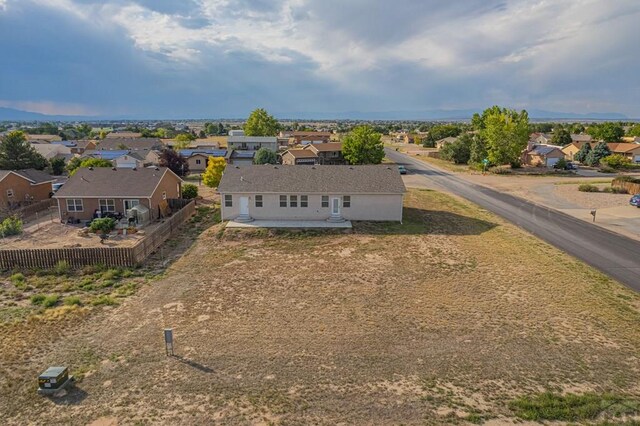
(130, 144)
(327, 153)
(572, 149)
(631, 139)
(198, 159)
(442, 142)
(252, 142)
(240, 157)
(629, 150)
(77, 146)
(542, 155)
(23, 187)
(335, 193)
(305, 138)
(543, 139)
(580, 138)
(53, 150)
(113, 190)
(130, 160)
(43, 138)
(295, 157)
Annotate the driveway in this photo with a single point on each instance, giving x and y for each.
(613, 254)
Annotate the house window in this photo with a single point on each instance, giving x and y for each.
(258, 200)
(304, 201)
(293, 201)
(228, 200)
(9, 193)
(107, 205)
(283, 201)
(129, 204)
(164, 195)
(325, 201)
(74, 205)
(346, 201)
(198, 161)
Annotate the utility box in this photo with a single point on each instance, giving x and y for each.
(53, 379)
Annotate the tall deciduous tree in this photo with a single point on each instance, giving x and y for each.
(363, 146)
(505, 132)
(17, 153)
(88, 162)
(212, 175)
(174, 161)
(561, 137)
(265, 156)
(260, 123)
(607, 132)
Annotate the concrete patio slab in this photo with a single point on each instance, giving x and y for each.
(302, 224)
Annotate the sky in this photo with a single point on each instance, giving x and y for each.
(224, 58)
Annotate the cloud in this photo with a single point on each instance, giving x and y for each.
(223, 57)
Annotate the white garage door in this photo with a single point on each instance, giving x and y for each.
(552, 161)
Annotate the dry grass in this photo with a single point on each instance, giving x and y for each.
(444, 319)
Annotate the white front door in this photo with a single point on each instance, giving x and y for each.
(244, 206)
(335, 206)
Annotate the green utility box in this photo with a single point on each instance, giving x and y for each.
(54, 378)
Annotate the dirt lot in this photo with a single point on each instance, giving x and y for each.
(444, 319)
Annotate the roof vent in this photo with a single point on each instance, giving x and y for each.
(90, 168)
(114, 169)
(350, 168)
(157, 168)
(134, 169)
(275, 167)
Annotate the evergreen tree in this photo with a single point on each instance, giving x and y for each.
(599, 152)
(581, 155)
(17, 153)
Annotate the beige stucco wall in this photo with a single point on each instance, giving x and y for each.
(374, 207)
(21, 189)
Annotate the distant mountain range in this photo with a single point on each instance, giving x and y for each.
(10, 114)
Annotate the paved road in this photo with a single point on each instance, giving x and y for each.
(613, 254)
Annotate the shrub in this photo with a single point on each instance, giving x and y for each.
(104, 300)
(616, 161)
(37, 299)
(500, 170)
(72, 300)
(561, 164)
(615, 190)
(189, 191)
(10, 226)
(61, 268)
(50, 301)
(104, 225)
(17, 278)
(586, 187)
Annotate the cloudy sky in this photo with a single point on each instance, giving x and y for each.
(223, 58)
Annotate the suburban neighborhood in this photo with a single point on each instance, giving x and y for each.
(319, 213)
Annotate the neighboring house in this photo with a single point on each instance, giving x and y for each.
(103, 189)
(22, 187)
(130, 160)
(236, 132)
(572, 149)
(334, 193)
(629, 150)
(139, 144)
(240, 157)
(631, 139)
(152, 158)
(442, 142)
(542, 155)
(543, 139)
(306, 138)
(53, 150)
(105, 155)
(77, 147)
(198, 159)
(580, 138)
(43, 138)
(252, 142)
(297, 157)
(328, 153)
(123, 135)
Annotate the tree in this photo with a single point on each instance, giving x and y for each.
(634, 130)
(57, 166)
(478, 151)
(84, 130)
(212, 175)
(616, 161)
(266, 156)
(561, 137)
(260, 123)
(17, 153)
(189, 191)
(607, 132)
(88, 162)
(441, 131)
(185, 137)
(599, 152)
(583, 152)
(174, 161)
(363, 146)
(505, 132)
(459, 151)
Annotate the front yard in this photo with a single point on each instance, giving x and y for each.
(451, 317)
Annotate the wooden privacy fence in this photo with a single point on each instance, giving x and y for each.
(632, 186)
(107, 256)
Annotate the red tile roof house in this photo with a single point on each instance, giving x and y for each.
(23, 187)
(116, 190)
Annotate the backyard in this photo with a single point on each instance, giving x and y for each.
(452, 317)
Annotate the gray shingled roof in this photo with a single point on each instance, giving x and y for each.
(104, 181)
(33, 175)
(130, 144)
(543, 149)
(373, 179)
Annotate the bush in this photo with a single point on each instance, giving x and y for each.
(561, 164)
(104, 225)
(72, 300)
(616, 161)
(189, 191)
(615, 190)
(17, 278)
(50, 301)
(586, 187)
(61, 268)
(104, 300)
(10, 226)
(37, 299)
(500, 170)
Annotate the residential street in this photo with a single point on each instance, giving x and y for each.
(614, 255)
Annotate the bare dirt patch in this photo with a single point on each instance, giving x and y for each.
(441, 320)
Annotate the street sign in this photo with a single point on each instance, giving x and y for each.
(168, 341)
(485, 161)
